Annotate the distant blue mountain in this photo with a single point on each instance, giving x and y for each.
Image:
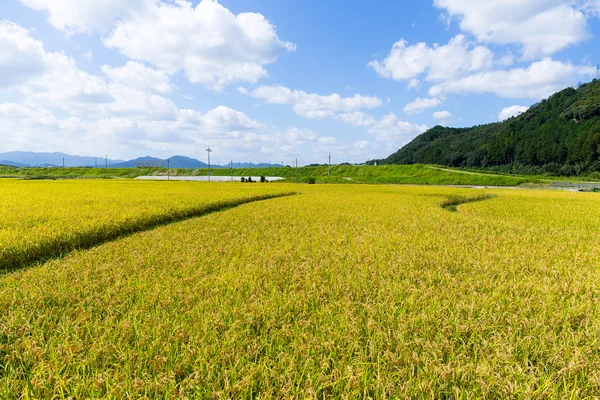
(140, 161)
(31, 159)
(152, 162)
(11, 163)
(27, 158)
(183, 162)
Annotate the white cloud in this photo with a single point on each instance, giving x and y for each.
(327, 140)
(298, 136)
(21, 57)
(356, 118)
(220, 119)
(40, 129)
(45, 78)
(312, 105)
(511, 111)
(590, 7)
(87, 15)
(391, 128)
(63, 85)
(539, 80)
(414, 84)
(133, 103)
(140, 77)
(462, 67)
(541, 27)
(360, 145)
(457, 58)
(54, 80)
(65, 108)
(420, 105)
(210, 44)
(442, 115)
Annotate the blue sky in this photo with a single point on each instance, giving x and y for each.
(268, 80)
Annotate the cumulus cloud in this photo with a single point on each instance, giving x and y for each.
(439, 62)
(590, 7)
(442, 115)
(420, 105)
(62, 84)
(541, 27)
(210, 44)
(297, 136)
(21, 57)
(326, 140)
(312, 105)
(40, 129)
(391, 128)
(511, 111)
(140, 77)
(96, 113)
(539, 80)
(219, 119)
(59, 83)
(356, 118)
(85, 16)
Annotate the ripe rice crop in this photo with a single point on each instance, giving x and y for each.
(40, 218)
(339, 292)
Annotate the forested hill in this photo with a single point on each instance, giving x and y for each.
(558, 135)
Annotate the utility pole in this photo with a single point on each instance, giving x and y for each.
(231, 169)
(63, 170)
(329, 168)
(208, 150)
(296, 170)
(168, 169)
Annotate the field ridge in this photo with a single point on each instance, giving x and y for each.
(16, 258)
(452, 202)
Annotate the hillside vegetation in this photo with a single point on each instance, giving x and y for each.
(560, 135)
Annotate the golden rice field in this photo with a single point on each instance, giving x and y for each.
(41, 218)
(341, 291)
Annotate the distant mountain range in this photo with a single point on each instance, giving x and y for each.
(26, 158)
(11, 163)
(31, 159)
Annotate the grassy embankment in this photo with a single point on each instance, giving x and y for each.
(343, 291)
(392, 174)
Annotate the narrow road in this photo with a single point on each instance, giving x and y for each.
(462, 172)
